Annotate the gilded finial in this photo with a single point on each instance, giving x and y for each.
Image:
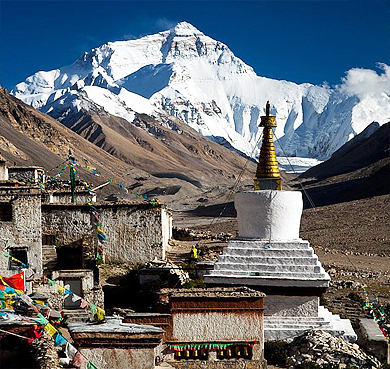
(267, 173)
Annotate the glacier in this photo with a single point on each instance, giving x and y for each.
(187, 74)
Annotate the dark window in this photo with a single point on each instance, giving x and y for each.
(5, 211)
(48, 239)
(19, 253)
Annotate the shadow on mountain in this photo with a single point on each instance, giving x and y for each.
(223, 210)
(224, 142)
(148, 80)
(177, 175)
(170, 190)
(376, 184)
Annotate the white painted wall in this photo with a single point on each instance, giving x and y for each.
(269, 214)
(217, 326)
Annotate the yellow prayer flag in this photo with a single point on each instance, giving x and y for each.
(9, 300)
(61, 290)
(50, 329)
(100, 313)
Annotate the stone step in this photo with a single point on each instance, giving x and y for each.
(258, 252)
(266, 275)
(293, 260)
(297, 325)
(290, 334)
(49, 252)
(260, 268)
(287, 319)
(263, 244)
(76, 315)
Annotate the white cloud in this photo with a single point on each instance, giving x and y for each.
(367, 82)
(165, 23)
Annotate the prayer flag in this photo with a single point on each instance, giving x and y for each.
(99, 260)
(41, 319)
(51, 283)
(83, 303)
(61, 290)
(50, 329)
(93, 308)
(17, 281)
(91, 365)
(59, 340)
(79, 359)
(100, 313)
(75, 297)
(70, 351)
(102, 237)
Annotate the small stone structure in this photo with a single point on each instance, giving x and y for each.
(372, 339)
(31, 174)
(210, 328)
(117, 345)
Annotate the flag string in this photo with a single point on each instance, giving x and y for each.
(58, 338)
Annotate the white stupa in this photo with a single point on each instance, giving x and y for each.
(268, 254)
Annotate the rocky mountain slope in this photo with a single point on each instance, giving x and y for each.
(358, 170)
(188, 75)
(169, 163)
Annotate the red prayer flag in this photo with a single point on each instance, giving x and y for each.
(79, 359)
(17, 281)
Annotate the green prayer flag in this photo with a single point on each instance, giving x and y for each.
(51, 283)
(99, 260)
(6, 254)
(93, 308)
(91, 365)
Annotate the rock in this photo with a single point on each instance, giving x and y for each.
(322, 348)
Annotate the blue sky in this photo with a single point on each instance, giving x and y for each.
(301, 41)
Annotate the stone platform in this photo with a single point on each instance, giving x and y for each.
(275, 263)
(286, 328)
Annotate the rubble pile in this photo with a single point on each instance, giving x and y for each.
(186, 234)
(322, 348)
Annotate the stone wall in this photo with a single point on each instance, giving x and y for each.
(118, 358)
(280, 305)
(217, 326)
(24, 174)
(90, 291)
(135, 233)
(24, 229)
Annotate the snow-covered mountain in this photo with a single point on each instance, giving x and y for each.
(186, 74)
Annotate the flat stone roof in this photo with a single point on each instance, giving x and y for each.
(220, 292)
(113, 325)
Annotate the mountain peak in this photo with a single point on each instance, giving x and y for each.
(185, 29)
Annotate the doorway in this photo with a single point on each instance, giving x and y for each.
(76, 287)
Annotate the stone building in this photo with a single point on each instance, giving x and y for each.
(117, 345)
(20, 227)
(213, 328)
(45, 230)
(136, 232)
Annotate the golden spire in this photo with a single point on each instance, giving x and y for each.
(267, 173)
